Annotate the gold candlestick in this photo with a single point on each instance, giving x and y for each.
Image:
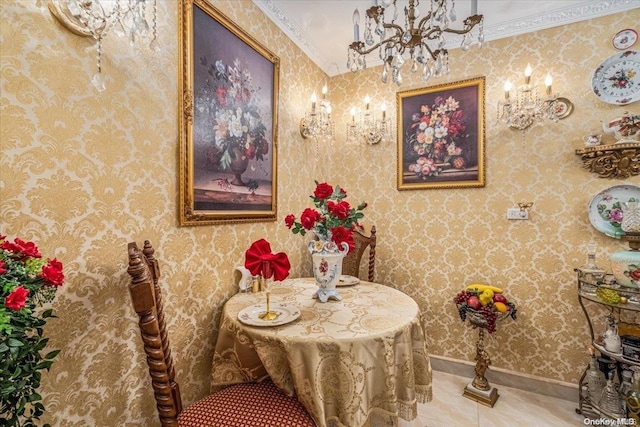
(268, 315)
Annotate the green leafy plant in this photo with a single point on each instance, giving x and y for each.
(27, 282)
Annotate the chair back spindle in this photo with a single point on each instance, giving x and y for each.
(147, 302)
(351, 262)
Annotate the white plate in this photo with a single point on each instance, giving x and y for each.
(617, 79)
(347, 281)
(251, 315)
(605, 211)
(624, 39)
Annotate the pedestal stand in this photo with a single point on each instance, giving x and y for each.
(479, 389)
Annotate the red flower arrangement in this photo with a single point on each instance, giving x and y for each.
(333, 217)
(26, 282)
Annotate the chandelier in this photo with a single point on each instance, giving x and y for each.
(317, 122)
(422, 38)
(367, 127)
(97, 18)
(526, 107)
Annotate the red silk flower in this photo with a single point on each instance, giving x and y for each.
(323, 191)
(52, 272)
(276, 265)
(17, 298)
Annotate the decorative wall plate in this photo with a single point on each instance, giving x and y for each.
(624, 39)
(564, 107)
(605, 210)
(285, 314)
(617, 79)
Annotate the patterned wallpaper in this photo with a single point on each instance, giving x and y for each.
(82, 173)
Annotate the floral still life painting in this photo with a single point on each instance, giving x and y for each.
(441, 136)
(228, 155)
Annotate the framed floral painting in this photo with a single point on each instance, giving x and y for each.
(441, 136)
(228, 135)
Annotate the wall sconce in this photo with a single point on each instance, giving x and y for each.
(368, 127)
(527, 107)
(91, 18)
(317, 122)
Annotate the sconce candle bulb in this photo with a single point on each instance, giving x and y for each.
(547, 82)
(527, 74)
(507, 89)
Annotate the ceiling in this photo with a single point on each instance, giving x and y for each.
(323, 29)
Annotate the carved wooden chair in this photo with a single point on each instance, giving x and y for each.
(242, 405)
(351, 262)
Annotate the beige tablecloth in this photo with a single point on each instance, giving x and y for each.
(357, 362)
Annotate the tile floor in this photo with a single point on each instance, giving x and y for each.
(514, 408)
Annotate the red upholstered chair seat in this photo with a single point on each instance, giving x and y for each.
(246, 405)
(242, 405)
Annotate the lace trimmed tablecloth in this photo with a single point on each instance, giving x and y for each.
(358, 362)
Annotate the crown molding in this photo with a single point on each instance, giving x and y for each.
(580, 12)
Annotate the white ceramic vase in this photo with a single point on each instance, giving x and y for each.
(327, 267)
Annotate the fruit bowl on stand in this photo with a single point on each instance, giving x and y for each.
(484, 306)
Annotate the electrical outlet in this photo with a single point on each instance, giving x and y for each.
(517, 213)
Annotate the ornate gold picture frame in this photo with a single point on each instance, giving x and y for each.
(228, 120)
(441, 136)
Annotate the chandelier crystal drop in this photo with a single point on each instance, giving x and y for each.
(133, 19)
(419, 36)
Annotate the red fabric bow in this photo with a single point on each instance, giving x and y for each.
(260, 261)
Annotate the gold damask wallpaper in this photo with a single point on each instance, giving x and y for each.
(82, 173)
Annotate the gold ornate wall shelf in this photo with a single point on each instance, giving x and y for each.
(619, 160)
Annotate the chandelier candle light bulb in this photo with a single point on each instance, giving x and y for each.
(356, 26)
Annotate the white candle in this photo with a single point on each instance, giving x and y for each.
(367, 100)
(527, 74)
(507, 88)
(313, 101)
(474, 7)
(547, 82)
(383, 107)
(324, 92)
(353, 114)
(356, 26)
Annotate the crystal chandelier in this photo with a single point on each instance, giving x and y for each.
(97, 18)
(317, 122)
(527, 107)
(422, 38)
(368, 128)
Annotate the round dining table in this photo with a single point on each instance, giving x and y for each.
(358, 362)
